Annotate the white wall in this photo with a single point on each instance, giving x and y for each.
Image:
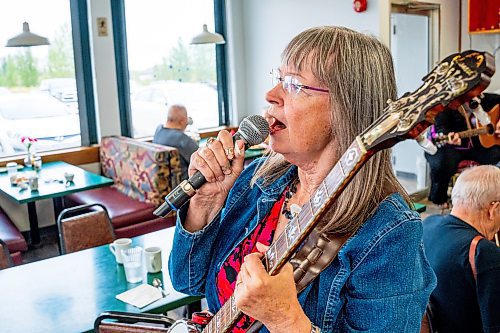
(261, 30)
(103, 58)
(448, 24)
(454, 35)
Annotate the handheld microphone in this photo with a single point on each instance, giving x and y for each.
(252, 130)
(426, 144)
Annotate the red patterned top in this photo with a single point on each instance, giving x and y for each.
(226, 278)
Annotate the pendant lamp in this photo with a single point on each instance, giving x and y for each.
(206, 37)
(27, 38)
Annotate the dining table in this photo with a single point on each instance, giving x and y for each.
(68, 292)
(52, 184)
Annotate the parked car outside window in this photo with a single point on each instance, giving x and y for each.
(64, 89)
(150, 104)
(37, 115)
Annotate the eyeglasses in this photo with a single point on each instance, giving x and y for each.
(291, 84)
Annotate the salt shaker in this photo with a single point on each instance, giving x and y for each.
(33, 182)
(37, 163)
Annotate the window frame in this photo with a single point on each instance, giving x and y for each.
(122, 70)
(84, 81)
(83, 72)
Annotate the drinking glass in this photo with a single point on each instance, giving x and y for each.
(12, 172)
(132, 262)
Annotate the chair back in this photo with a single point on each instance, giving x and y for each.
(83, 227)
(5, 259)
(126, 322)
(129, 328)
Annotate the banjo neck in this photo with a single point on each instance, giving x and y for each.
(298, 228)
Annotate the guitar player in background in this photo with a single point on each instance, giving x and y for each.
(444, 163)
(332, 84)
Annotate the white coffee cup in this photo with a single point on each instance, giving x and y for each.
(152, 256)
(118, 245)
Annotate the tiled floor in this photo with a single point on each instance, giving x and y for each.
(49, 246)
(432, 209)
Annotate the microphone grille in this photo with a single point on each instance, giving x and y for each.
(254, 129)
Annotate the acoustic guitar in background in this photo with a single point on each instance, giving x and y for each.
(486, 133)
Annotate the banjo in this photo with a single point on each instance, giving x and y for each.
(453, 82)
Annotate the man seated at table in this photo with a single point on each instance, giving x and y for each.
(461, 301)
(172, 134)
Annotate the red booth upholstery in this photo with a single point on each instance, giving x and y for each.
(12, 237)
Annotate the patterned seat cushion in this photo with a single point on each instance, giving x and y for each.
(143, 171)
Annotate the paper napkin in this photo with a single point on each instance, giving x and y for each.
(140, 296)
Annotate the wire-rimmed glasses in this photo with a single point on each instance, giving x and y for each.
(291, 84)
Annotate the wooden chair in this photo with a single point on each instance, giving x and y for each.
(126, 322)
(82, 231)
(5, 259)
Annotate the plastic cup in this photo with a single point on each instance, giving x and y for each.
(37, 163)
(12, 172)
(132, 263)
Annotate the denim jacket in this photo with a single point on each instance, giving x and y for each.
(379, 282)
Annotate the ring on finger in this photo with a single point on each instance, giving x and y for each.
(229, 151)
(210, 140)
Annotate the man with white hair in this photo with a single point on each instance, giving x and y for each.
(172, 134)
(465, 260)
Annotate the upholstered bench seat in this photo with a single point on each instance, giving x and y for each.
(143, 173)
(12, 237)
(122, 209)
(129, 217)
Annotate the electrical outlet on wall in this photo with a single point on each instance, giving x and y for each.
(102, 26)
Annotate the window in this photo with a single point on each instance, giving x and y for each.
(38, 85)
(164, 69)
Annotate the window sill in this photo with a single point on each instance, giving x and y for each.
(75, 156)
(86, 155)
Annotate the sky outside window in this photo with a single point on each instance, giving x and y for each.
(164, 68)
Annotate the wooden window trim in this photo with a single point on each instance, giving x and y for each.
(87, 155)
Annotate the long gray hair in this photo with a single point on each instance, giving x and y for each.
(358, 71)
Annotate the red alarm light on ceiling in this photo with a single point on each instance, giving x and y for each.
(359, 5)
